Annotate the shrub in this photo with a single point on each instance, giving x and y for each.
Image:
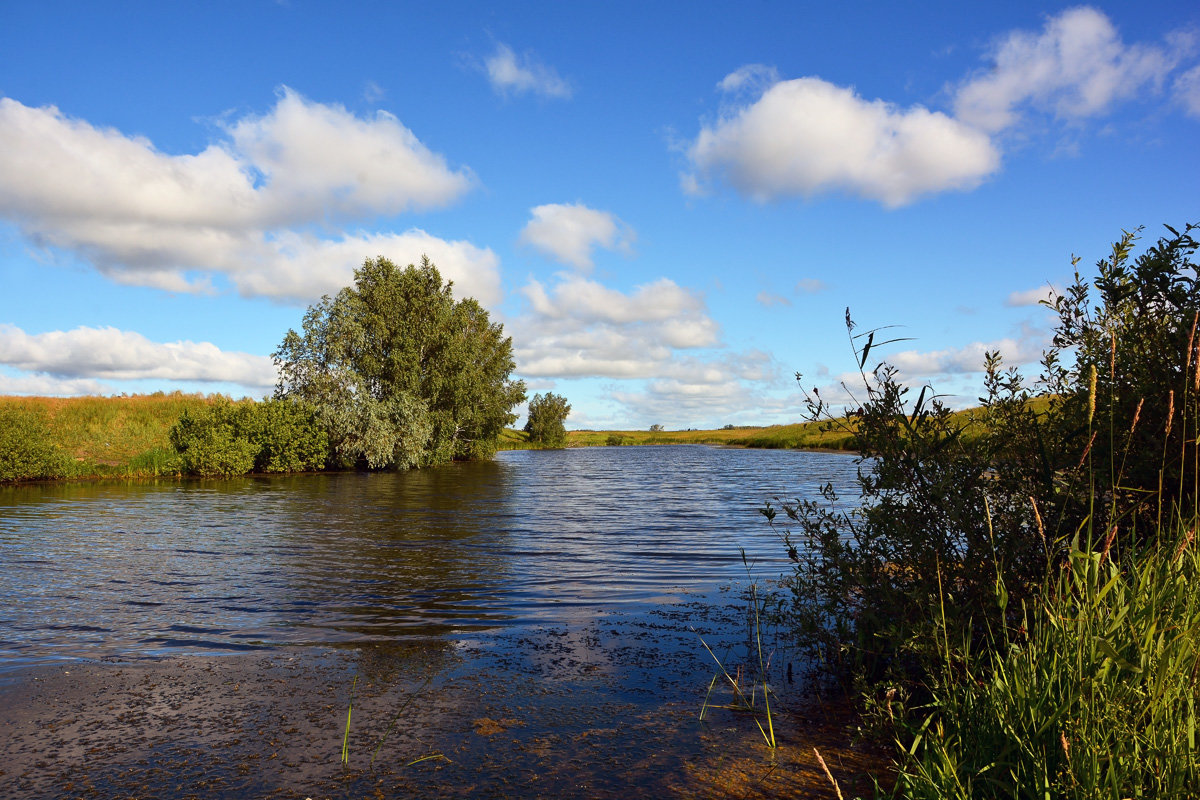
(27, 449)
(228, 438)
(213, 441)
(959, 518)
(285, 436)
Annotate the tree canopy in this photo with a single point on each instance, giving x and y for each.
(547, 413)
(399, 373)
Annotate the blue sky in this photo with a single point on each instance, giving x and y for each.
(669, 211)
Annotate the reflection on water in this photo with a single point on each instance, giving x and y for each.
(529, 539)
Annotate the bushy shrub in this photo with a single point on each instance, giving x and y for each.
(960, 520)
(213, 441)
(285, 437)
(27, 448)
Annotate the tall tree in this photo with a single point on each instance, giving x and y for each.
(400, 374)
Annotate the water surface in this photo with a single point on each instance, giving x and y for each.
(92, 570)
(534, 622)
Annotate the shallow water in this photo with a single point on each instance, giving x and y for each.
(544, 608)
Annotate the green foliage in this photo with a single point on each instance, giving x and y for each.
(959, 517)
(1093, 697)
(400, 374)
(227, 438)
(27, 448)
(212, 441)
(1134, 328)
(547, 413)
(285, 436)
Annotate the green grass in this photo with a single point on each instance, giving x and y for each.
(112, 436)
(1094, 695)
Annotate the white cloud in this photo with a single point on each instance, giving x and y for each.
(569, 232)
(810, 286)
(298, 267)
(49, 386)
(1031, 297)
(751, 77)
(243, 209)
(580, 328)
(510, 74)
(1077, 66)
(807, 136)
(1187, 91)
(768, 299)
(112, 354)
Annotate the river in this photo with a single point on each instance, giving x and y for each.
(540, 599)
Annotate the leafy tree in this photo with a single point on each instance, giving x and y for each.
(399, 373)
(547, 413)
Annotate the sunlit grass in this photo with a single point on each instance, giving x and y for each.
(113, 436)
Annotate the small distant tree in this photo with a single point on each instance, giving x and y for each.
(547, 413)
(656, 428)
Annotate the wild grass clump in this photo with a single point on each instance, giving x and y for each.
(1093, 696)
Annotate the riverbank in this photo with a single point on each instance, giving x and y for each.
(126, 437)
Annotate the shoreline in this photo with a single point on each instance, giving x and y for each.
(272, 724)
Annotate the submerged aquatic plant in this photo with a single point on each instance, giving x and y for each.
(742, 700)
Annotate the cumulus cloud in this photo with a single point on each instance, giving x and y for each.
(657, 343)
(1077, 66)
(751, 77)
(569, 232)
(779, 139)
(510, 74)
(49, 386)
(806, 136)
(297, 267)
(966, 359)
(580, 328)
(810, 286)
(112, 354)
(243, 208)
(1187, 91)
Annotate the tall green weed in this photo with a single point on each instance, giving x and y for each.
(1093, 696)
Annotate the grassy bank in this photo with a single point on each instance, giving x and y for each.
(97, 437)
(105, 436)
